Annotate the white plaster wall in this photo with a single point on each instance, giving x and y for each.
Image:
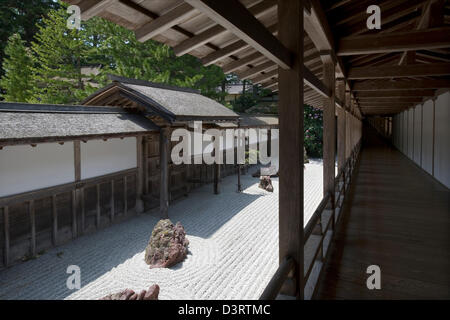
(24, 168)
(442, 139)
(427, 136)
(100, 157)
(405, 132)
(417, 133)
(397, 128)
(411, 133)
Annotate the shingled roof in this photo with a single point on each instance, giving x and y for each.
(169, 102)
(33, 123)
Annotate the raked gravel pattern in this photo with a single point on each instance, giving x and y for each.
(233, 249)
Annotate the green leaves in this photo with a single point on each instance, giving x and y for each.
(59, 54)
(17, 67)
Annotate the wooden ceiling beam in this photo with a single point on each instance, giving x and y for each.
(270, 84)
(381, 85)
(389, 16)
(224, 52)
(265, 76)
(390, 99)
(230, 49)
(434, 55)
(96, 8)
(395, 94)
(395, 42)
(266, 66)
(312, 81)
(410, 70)
(164, 22)
(232, 66)
(234, 17)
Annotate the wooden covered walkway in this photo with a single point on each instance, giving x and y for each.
(397, 217)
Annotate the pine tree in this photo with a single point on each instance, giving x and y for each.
(17, 66)
(59, 54)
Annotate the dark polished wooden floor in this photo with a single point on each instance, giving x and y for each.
(397, 217)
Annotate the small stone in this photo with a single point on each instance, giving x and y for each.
(152, 293)
(265, 183)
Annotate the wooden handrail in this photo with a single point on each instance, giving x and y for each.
(287, 265)
(309, 228)
(278, 279)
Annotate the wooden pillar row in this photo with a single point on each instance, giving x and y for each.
(329, 125)
(164, 170)
(341, 125)
(6, 235)
(291, 231)
(33, 228)
(76, 192)
(140, 174)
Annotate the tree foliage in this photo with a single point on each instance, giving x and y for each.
(60, 53)
(313, 131)
(17, 66)
(21, 16)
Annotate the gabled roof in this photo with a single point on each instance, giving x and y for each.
(32, 123)
(169, 102)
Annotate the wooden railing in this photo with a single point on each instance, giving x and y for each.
(318, 234)
(77, 192)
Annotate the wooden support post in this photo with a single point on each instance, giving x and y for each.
(74, 213)
(434, 136)
(341, 125)
(98, 207)
(329, 128)
(125, 195)
(112, 212)
(291, 232)
(55, 221)
(6, 235)
(32, 214)
(83, 209)
(163, 164)
(140, 175)
(76, 196)
(216, 178)
(146, 171)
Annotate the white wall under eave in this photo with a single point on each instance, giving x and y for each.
(100, 157)
(405, 133)
(411, 133)
(442, 139)
(24, 168)
(427, 137)
(417, 133)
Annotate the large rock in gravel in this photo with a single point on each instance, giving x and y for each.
(128, 294)
(265, 183)
(167, 246)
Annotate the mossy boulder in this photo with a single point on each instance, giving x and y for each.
(168, 245)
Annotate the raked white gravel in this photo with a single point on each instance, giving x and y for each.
(233, 249)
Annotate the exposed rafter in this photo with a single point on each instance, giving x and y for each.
(410, 70)
(164, 22)
(379, 85)
(395, 42)
(233, 16)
